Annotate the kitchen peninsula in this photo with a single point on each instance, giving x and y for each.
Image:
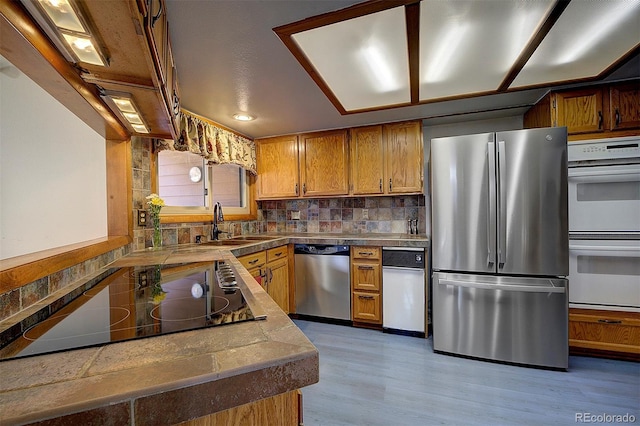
(172, 378)
(255, 366)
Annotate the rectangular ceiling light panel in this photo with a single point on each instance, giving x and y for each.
(364, 61)
(468, 46)
(588, 38)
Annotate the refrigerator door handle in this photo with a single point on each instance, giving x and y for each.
(506, 287)
(502, 209)
(491, 205)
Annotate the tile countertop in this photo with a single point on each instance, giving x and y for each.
(172, 378)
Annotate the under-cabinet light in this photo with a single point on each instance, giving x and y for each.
(123, 104)
(65, 18)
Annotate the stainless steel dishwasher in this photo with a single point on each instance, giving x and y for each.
(323, 287)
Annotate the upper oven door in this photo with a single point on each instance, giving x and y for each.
(604, 199)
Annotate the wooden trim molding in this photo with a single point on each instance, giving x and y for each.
(20, 270)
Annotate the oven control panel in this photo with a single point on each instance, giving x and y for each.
(604, 149)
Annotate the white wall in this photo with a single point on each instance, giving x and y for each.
(52, 171)
(457, 129)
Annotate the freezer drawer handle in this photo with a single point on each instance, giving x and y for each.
(507, 287)
(608, 321)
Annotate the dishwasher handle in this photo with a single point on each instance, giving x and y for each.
(322, 249)
(506, 287)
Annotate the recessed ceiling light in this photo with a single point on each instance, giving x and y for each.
(243, 117)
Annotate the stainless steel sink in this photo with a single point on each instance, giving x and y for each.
(232, 242)
(237, 241)
(255, 237)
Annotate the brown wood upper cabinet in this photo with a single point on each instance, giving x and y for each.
(625, 106)
(387, 159)
(135, 34)
(592, 112)
(324, 164)
(581, 111)
(308, 165)
(278, 175)
(373, 160)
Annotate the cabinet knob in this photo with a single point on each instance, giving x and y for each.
(617, 115)
(390, 186)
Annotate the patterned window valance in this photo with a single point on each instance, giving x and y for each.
(217, 145)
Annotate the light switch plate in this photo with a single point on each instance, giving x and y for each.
(365, 214)
(295, 215)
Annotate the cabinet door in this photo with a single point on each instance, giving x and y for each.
(324, 164)
(157, 33)
(581, 111)
(278, 287)
(403, 157)
(625, 106)
(278, 167)
(367, 160)
(366, 307)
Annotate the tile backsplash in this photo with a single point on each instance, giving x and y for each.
(345, 215)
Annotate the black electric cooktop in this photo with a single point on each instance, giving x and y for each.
(138, 302)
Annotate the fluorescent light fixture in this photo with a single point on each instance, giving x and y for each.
(66, 19)
(84, 49)
(127, 109)
(587, 38)
(442, 62)
(243, 117)
(379, 69)
(599, 28)
(63, 15)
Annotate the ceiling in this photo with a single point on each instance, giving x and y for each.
(229, 60)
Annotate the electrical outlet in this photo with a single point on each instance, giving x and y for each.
(365, 214)
(295, 215)
(142, 218)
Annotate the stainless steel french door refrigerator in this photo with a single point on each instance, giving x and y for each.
(500, 244)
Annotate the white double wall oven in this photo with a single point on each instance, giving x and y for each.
(604, 224)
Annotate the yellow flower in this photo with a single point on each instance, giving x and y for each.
(157, 298)
(155, 200)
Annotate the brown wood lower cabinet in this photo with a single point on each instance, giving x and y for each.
(366, 285)
(606, 333)
(271, 269)
(280, 410)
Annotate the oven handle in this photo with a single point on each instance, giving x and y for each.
(586, 172)
(605, 250)
(506, 287)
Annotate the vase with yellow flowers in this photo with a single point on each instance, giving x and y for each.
(155, 204)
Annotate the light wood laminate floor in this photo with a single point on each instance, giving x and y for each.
(372, 378)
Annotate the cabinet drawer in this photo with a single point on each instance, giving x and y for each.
(366, 276)
(276, 253)
(366, 307)
(605, 331)
(358, 252)
(255, 260)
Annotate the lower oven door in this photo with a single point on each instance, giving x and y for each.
(604, 274)
(604, 199)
